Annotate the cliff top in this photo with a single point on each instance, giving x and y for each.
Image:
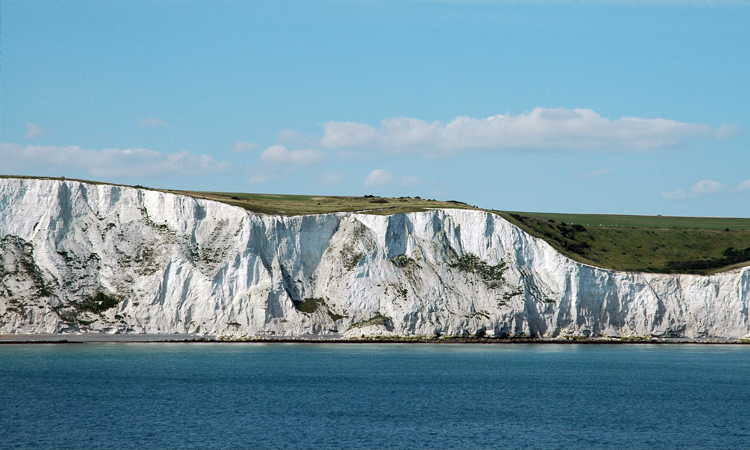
(295, 205)
(660, 244)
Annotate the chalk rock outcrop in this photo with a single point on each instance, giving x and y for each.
(80, 257)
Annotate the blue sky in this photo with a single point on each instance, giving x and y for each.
(566, 106)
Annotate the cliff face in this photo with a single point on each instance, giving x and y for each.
(85, 257)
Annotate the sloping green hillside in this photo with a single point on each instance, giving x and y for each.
(696, 245)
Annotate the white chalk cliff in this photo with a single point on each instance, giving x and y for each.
(78, 257)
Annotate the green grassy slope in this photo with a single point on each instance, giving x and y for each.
(699, 245)
(696, 245)
(611, 220)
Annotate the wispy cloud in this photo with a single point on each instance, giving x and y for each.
(409, 181)
(243, 147)
(152, 122)
(701, 188)
(539, 130)
(349, 134)
(33, 131)
(280, 155)
(107, 162)
(381, 177)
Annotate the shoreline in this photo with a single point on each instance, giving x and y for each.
(10, 339)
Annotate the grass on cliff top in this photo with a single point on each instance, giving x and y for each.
(294, 205)
(699, 245)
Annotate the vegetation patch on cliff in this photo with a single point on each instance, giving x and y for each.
(309, 305)
(96, 304)
(313, 304)
(21, 282)
(349, 257)
(403, 262)
(377, 319)
(88, 310)
(491, 274)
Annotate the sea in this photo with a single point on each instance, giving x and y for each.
(373, 396)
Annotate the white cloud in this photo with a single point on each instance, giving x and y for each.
(242, 147)
(152, 122)
(744, 186)
(703, 187)
(354, 155)
(348, 134)
(297, 139)
(380, 177)
(596, 173)
(331, 178)
(33, 131)
(708, 187)
(409, 181)
(540, 129)
(107, 162)
(278, 154)
(677, 194)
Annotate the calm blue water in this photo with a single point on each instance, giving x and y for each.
(373, 396)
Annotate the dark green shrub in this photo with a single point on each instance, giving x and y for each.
(491, 275)
(96, 304)
(403, 261)
(377, 319)
(309, 305)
